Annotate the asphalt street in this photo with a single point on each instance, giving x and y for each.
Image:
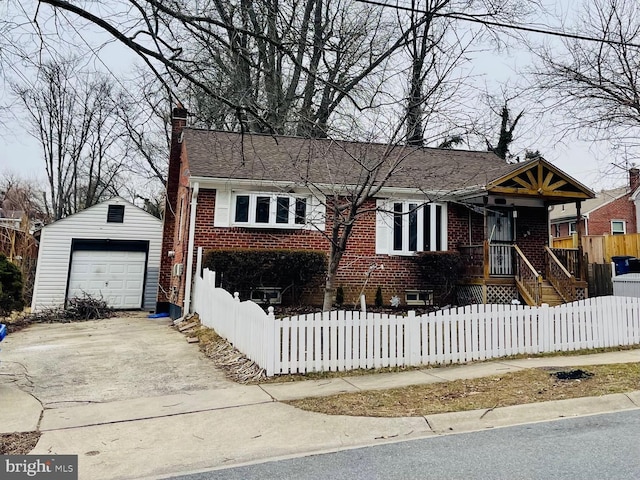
(592, 447)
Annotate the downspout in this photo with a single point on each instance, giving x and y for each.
(192, 230)
(586, 224)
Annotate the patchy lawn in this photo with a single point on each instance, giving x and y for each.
(526, 386)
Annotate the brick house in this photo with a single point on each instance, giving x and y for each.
(229, 190)
(611, 212)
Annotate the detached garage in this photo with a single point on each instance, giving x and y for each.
(109, 251)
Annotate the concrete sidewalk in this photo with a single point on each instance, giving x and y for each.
(165, 435)
(381, 381)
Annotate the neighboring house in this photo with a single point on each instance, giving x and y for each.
(229, 190)
(611, 212)
(11, 218)
(110, 250)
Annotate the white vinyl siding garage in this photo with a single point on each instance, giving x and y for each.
(74, 252)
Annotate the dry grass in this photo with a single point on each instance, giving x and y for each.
(527, 386)
(18, 443)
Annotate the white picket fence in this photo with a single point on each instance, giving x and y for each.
(344, 340)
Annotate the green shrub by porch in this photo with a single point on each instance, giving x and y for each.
(240, 270)
(440, 272)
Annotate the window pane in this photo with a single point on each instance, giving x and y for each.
(438, 227)
(617, 227)
(426, 227)
(413, 227)
(397, 226)
(262, 209)
(282, 210)
(242, 208)
(301, 211)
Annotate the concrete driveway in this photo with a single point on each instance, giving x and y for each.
(104, 361)
(134, 400)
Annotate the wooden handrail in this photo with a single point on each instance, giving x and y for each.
(528, 279)
(553, 257)
(525, 259)
(562, 280)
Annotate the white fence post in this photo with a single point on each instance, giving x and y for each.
(413, 341)
(272, 343)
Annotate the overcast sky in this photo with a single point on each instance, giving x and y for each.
(588, 163)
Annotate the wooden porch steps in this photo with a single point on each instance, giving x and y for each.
(549, 294)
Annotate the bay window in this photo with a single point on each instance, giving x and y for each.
(406, 227)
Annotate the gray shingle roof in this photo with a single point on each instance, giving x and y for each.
(265, 158)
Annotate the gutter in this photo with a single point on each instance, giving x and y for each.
(323, 189)
(192, 229)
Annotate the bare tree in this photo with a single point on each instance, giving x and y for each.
(73, 119)
(291, 67)
(147, 126)
(437, 47)
(596, 84)
(505, 137)
(20, 195)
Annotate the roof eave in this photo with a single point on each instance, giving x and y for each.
(385, 191)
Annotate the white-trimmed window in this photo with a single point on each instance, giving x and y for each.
(407, 226)
(572, 228)
(269, 210)
(259, 209)
(618, 227)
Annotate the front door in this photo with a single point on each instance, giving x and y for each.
(501, 238)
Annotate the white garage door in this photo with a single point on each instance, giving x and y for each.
(116, 277)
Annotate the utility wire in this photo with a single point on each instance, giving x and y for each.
(522, 28)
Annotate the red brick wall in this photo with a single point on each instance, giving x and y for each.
(458, 226)
(399, 274)
(179, 121)
(619, 209)
(532, 234)
(181, 231)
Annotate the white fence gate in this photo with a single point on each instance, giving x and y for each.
(343, 340)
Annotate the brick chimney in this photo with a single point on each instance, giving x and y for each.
(634, 178)
(178, 123)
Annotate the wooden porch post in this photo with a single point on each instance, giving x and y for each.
(578, 273)
(485, 244)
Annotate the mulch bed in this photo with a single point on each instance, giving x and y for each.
(18, 443)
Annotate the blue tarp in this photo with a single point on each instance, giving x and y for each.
(3, 331)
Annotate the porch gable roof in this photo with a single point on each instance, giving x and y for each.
(539, 178)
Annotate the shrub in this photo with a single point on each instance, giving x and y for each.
(379, 301)
(240, 270)
(441, 272)
(10, 287)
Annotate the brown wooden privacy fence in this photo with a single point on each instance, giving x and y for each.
(344, 340)
(600, 248)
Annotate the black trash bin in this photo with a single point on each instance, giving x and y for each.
(634, 265)
(621, 263)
